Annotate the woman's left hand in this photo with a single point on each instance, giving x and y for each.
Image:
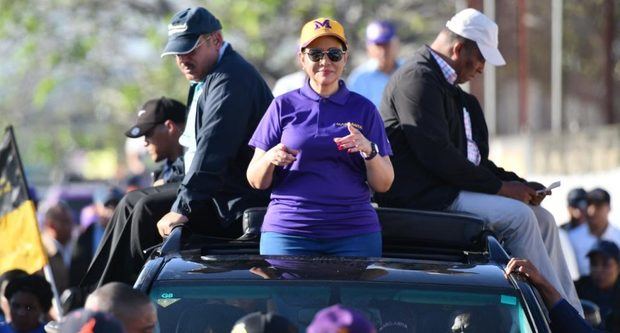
(354, 142)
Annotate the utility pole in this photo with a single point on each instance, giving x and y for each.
(556, 66)
(523, 65)
(490, 83)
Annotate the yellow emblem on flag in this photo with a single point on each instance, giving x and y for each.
(21, 246)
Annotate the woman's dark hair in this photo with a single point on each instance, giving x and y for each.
(33, 284)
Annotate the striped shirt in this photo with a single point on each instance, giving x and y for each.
(473, 153)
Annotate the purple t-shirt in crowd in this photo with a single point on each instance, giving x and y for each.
(323, 194)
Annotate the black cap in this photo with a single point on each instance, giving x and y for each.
(257, 322)
(577, 197)
(606, 248)
(185, 28)
(598, 196)
(84, 321)
(155, 112)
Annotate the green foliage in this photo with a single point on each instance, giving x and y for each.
(42, 91)
(75, 71)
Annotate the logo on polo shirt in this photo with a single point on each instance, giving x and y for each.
(356, 125)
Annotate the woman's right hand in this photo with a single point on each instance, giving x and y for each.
(280, 155)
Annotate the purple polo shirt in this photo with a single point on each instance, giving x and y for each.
(323, 194)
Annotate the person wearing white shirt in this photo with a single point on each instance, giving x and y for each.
(597, 227)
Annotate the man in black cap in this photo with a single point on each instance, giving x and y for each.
(585, 236)
(161, 122)
(577, 206)
(602, 286)
(227, 99)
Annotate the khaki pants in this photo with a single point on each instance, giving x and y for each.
(527, 231)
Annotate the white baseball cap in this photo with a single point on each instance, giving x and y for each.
(474, 25)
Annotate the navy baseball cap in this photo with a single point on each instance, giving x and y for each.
(155, 112)
(380, 32)
(577, 197)
(606, 248)
(185, 28)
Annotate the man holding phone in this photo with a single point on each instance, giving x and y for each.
(441, 148)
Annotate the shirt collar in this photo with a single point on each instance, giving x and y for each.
(339, 97)
(222, 50)
(219, 58)
(448, 72)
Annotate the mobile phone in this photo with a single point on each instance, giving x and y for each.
(549, 188)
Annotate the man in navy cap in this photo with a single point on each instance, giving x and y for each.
(227, 99)
(602, 286)
(370, 78)
(577, 205)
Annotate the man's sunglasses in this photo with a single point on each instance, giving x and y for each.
(333, 53)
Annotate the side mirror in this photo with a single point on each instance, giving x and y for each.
(592, 312)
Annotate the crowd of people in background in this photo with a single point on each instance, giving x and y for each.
(413, 111)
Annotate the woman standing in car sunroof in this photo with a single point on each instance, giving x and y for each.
(321, 149)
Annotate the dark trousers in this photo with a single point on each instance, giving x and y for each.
(133, 229)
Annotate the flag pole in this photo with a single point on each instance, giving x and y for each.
(47, 270)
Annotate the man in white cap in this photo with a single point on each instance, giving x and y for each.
(440, 143)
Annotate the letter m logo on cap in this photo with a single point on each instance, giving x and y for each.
(325, 24)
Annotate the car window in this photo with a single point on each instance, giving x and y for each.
(210, 306)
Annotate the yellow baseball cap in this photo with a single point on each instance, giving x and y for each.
(320, 27)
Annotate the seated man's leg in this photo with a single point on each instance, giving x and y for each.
(147, 213)
(113, 258)
(112, 235)
(514, 222)
(551, 238)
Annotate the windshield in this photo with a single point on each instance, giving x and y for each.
(209, 306)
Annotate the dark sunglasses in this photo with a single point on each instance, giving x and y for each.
(333, 53)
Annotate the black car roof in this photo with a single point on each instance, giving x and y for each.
(188, 267)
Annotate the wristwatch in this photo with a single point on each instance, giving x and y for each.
(374, 149)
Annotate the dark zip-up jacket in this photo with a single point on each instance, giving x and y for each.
(423, 117)
(233, 101)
